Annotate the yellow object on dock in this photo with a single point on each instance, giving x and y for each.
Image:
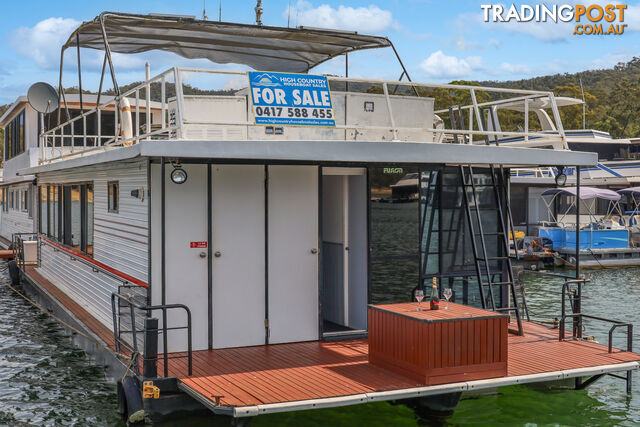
(518, 234)
(6, 254)
(150, 391)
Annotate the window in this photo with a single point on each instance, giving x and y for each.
(114, 198)
(24, 200)
(12, 196)
(14, 137)
(66, 215)
(44, 210)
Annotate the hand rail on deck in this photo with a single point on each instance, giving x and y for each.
(151, 332)
(53, 141)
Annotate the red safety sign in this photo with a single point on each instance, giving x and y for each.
(199, 245)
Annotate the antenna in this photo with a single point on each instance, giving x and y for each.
(204, 10)
(43, 97)
(584, 106)
(220, 11)
(259, 11)
(289, 15)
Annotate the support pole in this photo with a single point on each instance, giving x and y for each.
(577, 222)
(150, 361)
(163, 244)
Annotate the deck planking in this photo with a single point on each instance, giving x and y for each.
(279, 373)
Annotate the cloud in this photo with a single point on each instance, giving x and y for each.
(370, 19)
(42, 42)
(515, 68)
(439, 65)
(495, 43)
(464, 44)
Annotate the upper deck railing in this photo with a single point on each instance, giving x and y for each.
(397, 119)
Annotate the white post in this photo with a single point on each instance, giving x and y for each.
(476, 109)
(137, 134)
(41, 137)
(393, 122)
(147, 77)
(526, 120)
(179, 101)
(556, 118)
(470, 125)
(163, 119)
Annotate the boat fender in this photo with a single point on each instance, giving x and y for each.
(133, 397)
(126, 123)
(14, 273)
(122, 400)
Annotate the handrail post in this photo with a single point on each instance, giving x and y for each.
(165, 351)
(526, 120)
(393, 122)
(134, 337)
(150, 359)
(558, 120)
(116, 339)
(562, 312)
(476, 109)
(179, 101)
(147, 96)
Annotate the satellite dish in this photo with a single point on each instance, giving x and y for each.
(43, 97)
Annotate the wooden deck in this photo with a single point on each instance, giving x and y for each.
(260, 375)
(315, 374)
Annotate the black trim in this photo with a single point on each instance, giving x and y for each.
(209, 258)
(320, 255)
(149, 233)
(266, 254)
(163, 281)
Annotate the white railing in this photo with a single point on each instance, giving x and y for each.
(65, 141)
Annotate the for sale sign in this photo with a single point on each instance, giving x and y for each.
(291, 99)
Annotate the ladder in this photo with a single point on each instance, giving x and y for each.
(481, 257)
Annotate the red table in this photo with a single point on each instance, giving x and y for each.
(438, 346)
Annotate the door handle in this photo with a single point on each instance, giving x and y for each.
(217, 254)
(314, 251)
(203, 254)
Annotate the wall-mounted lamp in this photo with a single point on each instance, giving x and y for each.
(178, 175)
(561, 178)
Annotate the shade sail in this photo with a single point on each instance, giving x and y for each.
(259, 47)
(634, 191)
(585, 193)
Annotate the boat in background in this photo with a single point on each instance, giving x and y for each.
(604, 240)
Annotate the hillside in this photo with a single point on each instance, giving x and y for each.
(612, 96)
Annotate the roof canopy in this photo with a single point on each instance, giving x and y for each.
(585, 193)
(259, 47)
(633, 191)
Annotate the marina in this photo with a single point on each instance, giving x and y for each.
(219, 253)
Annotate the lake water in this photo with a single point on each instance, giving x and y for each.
(45, 380)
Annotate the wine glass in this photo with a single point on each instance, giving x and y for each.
(419, 295)
(447, 294)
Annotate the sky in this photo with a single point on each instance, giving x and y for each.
(439, 41)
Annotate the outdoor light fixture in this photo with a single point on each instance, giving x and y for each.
(178, 175)
(561, 178)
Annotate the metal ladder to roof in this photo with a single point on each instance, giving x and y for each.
(482, 260)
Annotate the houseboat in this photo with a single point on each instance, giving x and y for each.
(219, 260)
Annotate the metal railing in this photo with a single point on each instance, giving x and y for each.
(64, 140)
(150, 333)
(17, 245)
